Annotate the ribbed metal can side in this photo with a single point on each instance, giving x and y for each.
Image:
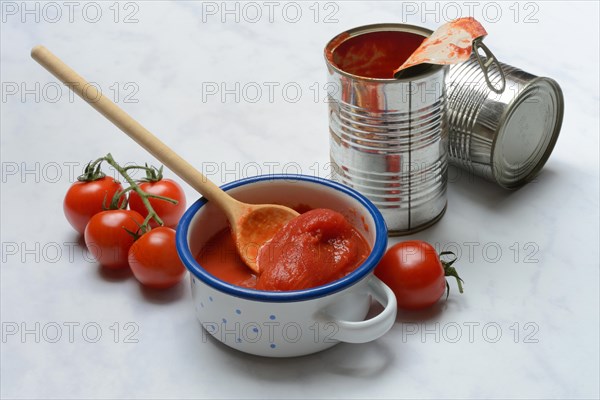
(479, 119)
(396, 156)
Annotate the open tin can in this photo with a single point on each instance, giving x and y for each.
(388, 137)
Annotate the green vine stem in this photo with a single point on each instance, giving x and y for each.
(449, 270)
(153, 174)
(114, 203)
(144, 227)
(92, 171)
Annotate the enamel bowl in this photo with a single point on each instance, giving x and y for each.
(292, 323)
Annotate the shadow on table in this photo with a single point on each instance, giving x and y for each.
(156, 296)
(355, 360)
(106, 274)
(165, 296)
(489, 194)
(114, 275)
(430, 313)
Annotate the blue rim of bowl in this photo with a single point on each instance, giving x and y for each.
(362, 271)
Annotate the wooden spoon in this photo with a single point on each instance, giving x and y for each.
(251, 224)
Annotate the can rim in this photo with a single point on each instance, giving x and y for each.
(549, 147)
(364, 29)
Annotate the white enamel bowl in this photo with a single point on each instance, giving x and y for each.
(293, 323)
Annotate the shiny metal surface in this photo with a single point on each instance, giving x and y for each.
(388, 138)
(507, 137)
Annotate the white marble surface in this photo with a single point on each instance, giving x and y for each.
(521, 330)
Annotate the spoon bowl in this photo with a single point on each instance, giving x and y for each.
(257, 226)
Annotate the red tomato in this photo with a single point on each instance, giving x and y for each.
(170, 213)
(85, 199)
(154, 261)
(107, 239)
(414, 272)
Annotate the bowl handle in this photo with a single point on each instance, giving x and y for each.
(373, 328)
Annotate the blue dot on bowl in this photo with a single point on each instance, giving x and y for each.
(238, 311)
(224, 321)
(239, 340)
(271, 317)
(210, 298)
(202, 304)
(254, 330)
(273, 345)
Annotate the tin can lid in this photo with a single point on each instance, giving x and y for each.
(527, 133)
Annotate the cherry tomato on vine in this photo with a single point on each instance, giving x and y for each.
(413, 270)
(107, 239)
(154, 261)
(170, 213)
(84, 199)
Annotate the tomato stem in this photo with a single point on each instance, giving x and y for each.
(449, 270)
(153, 174)
(168, 199)
(92, 171)
(114, 204)
(143, 195)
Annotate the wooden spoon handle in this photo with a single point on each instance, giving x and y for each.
(134, 129)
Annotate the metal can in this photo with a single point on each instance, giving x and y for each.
(388, 137)
(504, 137)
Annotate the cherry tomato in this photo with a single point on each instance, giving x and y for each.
(154, 261)
(414, 272)
(170, 213)
(85, 199)
(107, 239)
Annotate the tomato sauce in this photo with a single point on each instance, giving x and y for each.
(313, 249)
(220, 258)
(375, 54)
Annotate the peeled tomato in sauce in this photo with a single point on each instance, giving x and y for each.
(315, 248)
